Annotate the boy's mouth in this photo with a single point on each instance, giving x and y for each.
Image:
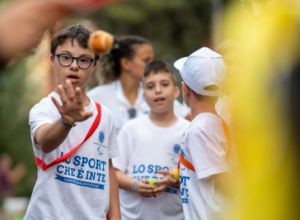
(72, 76)
(159, 99)
(74, 79)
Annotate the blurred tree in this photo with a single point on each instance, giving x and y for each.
(14, 135)
(175, 27)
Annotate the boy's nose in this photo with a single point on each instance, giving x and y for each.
(157, 88)
(74, 65)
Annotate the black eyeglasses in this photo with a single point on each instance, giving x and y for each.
(66, 60)
(132, 113)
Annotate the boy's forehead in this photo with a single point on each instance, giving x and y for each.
(156, 76)
(72, 46)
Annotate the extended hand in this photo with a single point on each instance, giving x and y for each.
(72, 107)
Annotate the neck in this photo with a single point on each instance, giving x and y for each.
(129, 88)
(201, 106)
(163, 119)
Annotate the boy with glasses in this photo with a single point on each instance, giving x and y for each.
(73, 139)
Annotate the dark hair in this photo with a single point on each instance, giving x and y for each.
(157, 66)
(74, 32)
(124, 46)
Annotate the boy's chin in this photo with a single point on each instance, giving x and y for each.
(161, 111)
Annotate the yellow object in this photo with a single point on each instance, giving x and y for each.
(152, 182)
(267, 40)
(175, 174)
(101, 41)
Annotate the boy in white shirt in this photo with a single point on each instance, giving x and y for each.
(73, 140)
(149, 144)
(203, 158)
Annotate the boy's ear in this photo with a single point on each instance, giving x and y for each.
(185, 88)
(51, 57)
(177, 92)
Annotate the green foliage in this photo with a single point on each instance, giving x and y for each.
(176, 27)
(14, 135)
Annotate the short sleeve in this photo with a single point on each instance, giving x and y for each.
(41, 113)
(208, 153)
(124, 141)
(113, 143)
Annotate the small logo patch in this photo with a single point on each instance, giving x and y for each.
(176, 148)
(101, 137)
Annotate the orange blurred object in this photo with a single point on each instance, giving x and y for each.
(101, 41)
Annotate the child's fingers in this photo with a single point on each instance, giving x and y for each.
(87, 115)
(56, 103)
(62, 94)
(145, 187)
(70, 91)
(78, 96)
(159, 189)
(164, 172)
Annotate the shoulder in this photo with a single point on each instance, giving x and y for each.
(183, 121)
(101, 90)
(45, 104)
(136, 123)
(206, 122)
(105, 112)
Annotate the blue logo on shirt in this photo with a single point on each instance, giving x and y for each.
(176, 148)
(101, 137)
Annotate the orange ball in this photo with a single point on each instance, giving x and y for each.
(101, 42)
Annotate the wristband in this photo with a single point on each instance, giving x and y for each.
(134, 185)
(65, 124)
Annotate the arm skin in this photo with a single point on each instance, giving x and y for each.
(114, 206)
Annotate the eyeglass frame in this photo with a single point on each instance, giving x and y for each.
(74, 58)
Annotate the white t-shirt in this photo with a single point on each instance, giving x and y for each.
(146, 148)
(77, 188)
(205, 146)
(111, 95)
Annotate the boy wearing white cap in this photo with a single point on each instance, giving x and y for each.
(203, 156)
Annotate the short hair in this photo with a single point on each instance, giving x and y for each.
(157, 66)
(74, 32)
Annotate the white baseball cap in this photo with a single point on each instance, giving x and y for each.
(203, 71)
